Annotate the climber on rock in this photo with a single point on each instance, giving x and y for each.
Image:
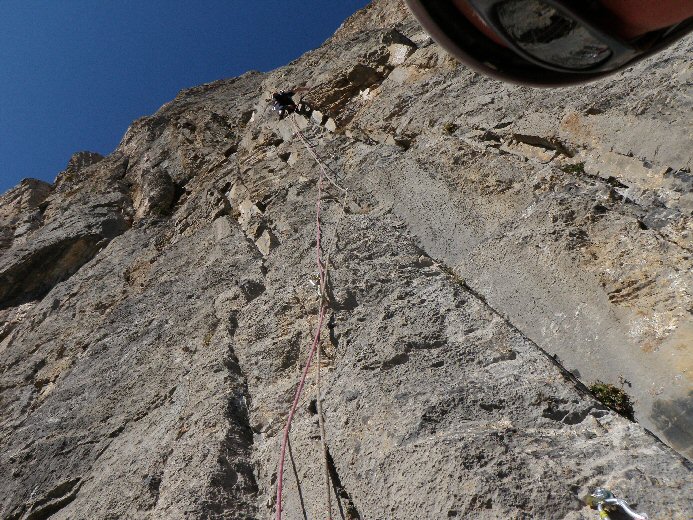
(284, 102)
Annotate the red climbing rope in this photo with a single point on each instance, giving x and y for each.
(297, 396)
(321, 318)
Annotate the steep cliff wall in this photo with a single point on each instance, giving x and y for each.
(156, 305)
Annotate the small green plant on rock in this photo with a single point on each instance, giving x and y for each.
(574, 169)
(615, 398)
(449, 127)
(208, 338)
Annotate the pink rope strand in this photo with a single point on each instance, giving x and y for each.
(297, 396)
(316, 338)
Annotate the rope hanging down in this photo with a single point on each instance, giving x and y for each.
(324, 304)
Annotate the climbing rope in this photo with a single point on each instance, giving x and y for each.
(323, 441)
(294, 405)
(325, 171)
(324, 305)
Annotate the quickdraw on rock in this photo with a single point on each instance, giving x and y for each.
(604, 501)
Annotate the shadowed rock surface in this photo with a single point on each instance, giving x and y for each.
(156, 305)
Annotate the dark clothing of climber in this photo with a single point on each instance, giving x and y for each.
(283, 102)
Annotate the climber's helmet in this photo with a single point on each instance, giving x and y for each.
(553, 42)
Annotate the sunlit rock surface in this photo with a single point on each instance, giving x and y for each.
(500, 248)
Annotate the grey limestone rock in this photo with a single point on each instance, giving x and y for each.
(20, 210)
(498, 250)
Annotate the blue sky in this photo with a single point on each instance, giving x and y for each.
(75, 73)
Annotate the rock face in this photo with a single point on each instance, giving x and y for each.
(498, 248)
(19, 210)
(57, 233)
